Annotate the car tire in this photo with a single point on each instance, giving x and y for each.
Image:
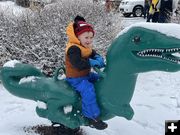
(127, 14)
(138, 11)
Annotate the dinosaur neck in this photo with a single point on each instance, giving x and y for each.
(117, 87)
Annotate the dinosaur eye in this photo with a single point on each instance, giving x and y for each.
(136, 39)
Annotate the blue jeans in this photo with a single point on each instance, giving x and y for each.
(84, 85)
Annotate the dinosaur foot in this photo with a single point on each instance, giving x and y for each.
(125, 111)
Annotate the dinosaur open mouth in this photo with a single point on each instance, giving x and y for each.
(172, 54)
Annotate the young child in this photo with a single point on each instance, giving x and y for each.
(79, 59)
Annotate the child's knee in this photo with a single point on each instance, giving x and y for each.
(85, 86)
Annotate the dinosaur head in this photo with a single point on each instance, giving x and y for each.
(147, 47)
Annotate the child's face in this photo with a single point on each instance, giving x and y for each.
(86, 39)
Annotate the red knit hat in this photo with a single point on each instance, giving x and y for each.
(82, 27)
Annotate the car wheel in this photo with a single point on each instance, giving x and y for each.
(127, 14)
(138, 11)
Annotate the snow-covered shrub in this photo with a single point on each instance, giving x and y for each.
(39, 37)
(176, 17)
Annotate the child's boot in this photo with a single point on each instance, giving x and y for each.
(98, 124)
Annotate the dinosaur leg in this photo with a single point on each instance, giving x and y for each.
(106, 115)
(56, 114)
(41, 112)
(125, 111)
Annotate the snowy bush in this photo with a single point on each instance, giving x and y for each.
(39, 38)
(176, 16)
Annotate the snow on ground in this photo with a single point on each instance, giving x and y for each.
(156, 99)
(16, 113)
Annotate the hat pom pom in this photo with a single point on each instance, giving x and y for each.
(79, 18)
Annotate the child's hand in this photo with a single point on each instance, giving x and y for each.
(100, 60)
(94, 63)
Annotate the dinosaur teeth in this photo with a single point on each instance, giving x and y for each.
(172, 50)
(160, 50)
(152, 51)
(150, 55)
(173, 60)
(172, 55)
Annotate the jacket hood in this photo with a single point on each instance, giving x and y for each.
(70, 34)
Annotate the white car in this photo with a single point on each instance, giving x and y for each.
(135, 7)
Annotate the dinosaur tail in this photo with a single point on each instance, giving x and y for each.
(11, 77)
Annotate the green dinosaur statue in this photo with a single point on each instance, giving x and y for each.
(136, 50)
